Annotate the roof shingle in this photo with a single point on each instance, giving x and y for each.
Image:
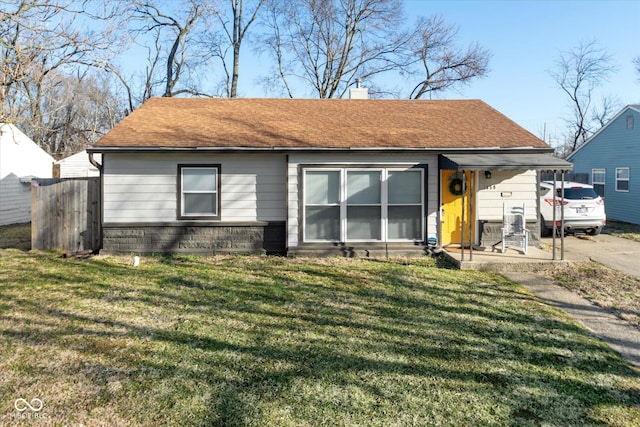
(317, 123)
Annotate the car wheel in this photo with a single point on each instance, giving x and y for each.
(594, 231)
(544, 230)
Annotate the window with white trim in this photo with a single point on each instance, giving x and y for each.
(622, 179)
(199, 191)
(358, 204)
(598, 180)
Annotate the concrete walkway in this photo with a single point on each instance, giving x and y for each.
(614, 252)
(619, 334)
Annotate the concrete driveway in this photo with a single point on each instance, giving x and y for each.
(617, 253)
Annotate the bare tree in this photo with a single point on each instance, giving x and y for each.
(79, 109)
(167, 28)
(636, 62)
(235, 28)
(441, 64)
(327, 45)
(579, 72)
(609, 105)
(43, 42)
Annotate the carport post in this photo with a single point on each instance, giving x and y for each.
(471, 213)
(464, 188)
(562, 219)
(554, 227)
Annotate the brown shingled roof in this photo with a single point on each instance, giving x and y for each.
(317, 123)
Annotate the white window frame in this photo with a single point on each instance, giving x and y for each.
(182, 192)
(387, 204)
(304, 202)
(604, 178)
(384, 204)
(345, 205)
(627, 179)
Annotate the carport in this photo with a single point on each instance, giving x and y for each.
(485, 162)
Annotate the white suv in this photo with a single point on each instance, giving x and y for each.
(583, 208)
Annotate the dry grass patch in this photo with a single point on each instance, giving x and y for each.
(602, 285)
(624, 230)
(248, 341)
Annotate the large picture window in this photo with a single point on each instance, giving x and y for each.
(199, 188)
(374, 204)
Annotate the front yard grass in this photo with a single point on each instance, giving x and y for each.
(243, 341)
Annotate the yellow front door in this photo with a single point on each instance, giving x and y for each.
(451, 191)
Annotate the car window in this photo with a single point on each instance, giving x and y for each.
(579, 193)
(544, 191)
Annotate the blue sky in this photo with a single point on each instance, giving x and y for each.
(526, 37)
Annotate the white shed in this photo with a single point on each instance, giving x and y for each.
(78, 166)
(21, 160)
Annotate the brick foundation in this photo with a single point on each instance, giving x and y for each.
(220, 238)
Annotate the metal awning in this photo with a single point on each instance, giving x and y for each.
(512, 161)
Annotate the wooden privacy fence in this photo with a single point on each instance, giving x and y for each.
(65, 214)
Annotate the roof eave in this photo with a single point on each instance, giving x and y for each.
(435, 150)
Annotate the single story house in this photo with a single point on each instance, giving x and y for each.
(21, 161)
(611, 159)
(76, 166)
(315, 176)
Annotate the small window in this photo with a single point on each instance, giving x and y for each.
(199, 191)
(629, 122)
(598, 180)
(622, 179)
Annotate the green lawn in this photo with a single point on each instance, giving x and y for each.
(240, 341)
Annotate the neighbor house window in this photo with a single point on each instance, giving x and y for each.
(199, 188)
(374, 204)
(597, 180)
(622, 179)
(629, 122)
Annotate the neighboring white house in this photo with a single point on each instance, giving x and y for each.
(21, 160)
(77, 166)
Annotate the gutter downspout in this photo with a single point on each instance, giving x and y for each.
(101, 207)
(95, 163)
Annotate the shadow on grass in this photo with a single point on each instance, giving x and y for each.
(252, 332)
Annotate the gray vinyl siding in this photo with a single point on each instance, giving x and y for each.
(142, 188)
(510, 189)
(613, 147)
(359, 160)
